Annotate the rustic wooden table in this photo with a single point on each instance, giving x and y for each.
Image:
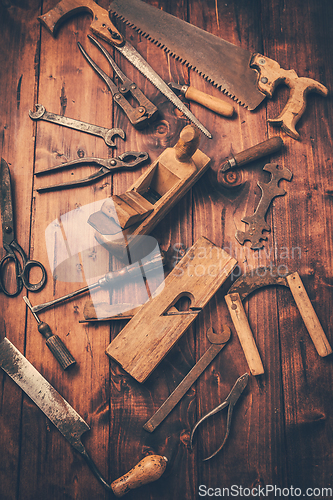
(281, 437)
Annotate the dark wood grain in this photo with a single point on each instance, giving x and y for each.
(281, 429)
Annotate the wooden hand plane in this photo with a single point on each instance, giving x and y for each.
(158, 325)
(137, 211)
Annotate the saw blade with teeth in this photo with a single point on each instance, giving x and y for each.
(221, 63)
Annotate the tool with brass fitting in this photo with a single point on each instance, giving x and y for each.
(218, 341)
(229, 402)
(145, 112)
(264, 148)
(53, 342)
(125, 161)
(208, 101)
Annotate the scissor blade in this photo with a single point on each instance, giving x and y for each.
(7, 219)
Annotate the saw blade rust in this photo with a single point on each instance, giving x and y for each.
(223, 64)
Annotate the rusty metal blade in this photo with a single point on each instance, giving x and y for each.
(257, 278)
(221, 63)
(218, 341)
(54, 406)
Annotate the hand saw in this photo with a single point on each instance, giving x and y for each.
(246, 77)
(102, 27)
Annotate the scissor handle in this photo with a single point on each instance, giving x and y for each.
(22, 271)
(19, 284)
(32, 287)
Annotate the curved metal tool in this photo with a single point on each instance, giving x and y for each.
(145, 112)
(257, 221)
(230, 401)
(106, 134)
(125, 161)
(218, 341)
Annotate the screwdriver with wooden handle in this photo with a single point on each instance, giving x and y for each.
(53, 342)
(264, 148)
(210, 102)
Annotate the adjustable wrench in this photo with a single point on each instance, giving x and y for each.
(106, 134)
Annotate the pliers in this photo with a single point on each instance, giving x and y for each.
(139, 116)
(230, 401)
(125, 161)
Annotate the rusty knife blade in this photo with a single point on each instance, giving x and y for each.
(223, 64)
(54, 406)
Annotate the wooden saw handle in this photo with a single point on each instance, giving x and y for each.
(309, 315)
(270, 76)
(210, 102)
(244, 333)
(147, 470)
(101, 25)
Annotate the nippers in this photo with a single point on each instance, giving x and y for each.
(145, 112)
(125, 161)
(230, 401)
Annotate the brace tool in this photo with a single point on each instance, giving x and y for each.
(106, 281)
(261, 277)
(146, 111)
(218, 341)
(106, 134)
(257, 221)
(210, 102)
(229, 402)
(23, 267)
(69, 422)
(125, 161)
(53, 342)
(103, 28)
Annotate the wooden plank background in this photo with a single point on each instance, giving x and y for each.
(282, 426)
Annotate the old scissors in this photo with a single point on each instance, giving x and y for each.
(23, 266)
(125, 161)
(229, 401)
(145, 112)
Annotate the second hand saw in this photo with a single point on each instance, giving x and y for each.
(245, 76)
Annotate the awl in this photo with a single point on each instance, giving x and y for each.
(103, 28)
(68, 421)
(245, 76)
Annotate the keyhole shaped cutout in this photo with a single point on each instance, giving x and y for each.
(181, 304)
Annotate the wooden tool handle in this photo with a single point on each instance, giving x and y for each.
(149, 469)
(101, 25)
(210, 102)
(258, 151)
(244, 333)
(308, 314)
(270, 76)
(188, 143)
